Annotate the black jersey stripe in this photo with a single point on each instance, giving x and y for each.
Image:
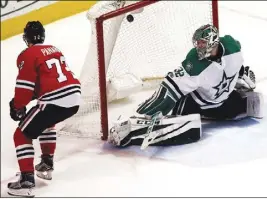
(61, 96)
(174, 85)
(60, 91)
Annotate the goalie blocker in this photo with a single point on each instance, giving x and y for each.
(169, 130)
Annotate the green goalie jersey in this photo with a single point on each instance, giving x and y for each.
(208, 82)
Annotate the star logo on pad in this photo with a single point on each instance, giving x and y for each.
(224, 85)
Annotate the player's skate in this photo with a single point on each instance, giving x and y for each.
(23, 187)
(45, 168)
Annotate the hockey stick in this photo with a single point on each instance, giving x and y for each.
(149, 135)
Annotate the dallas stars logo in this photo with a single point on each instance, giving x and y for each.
(224, 85)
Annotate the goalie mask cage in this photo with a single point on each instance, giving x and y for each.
(133, 44)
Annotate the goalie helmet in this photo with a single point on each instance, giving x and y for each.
(205, 39)
(34, 33)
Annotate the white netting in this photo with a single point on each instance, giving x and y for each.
(154, 43)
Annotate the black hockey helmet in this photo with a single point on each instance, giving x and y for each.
(34, 33)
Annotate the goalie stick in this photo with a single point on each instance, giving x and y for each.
(150, 136)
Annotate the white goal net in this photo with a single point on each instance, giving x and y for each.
(140, 47)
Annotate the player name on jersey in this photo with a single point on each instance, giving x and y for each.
(49, 50)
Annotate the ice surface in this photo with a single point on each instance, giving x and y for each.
(231, 159)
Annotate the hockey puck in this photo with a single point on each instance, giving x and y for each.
(130, 18)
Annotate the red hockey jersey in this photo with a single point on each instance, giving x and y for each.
(44, 75)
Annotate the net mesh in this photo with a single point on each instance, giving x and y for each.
(155, 42)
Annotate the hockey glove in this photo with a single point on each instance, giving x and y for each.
(246, 80)
(16, 114)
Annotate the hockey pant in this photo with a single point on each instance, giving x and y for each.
(234, 106)
(39, 122)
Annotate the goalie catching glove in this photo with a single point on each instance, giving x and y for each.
(246, 80)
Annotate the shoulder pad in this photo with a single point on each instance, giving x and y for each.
(230, 44)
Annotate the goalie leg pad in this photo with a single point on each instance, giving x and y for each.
(255, 103)
(161, 101)
(183, 130)
(171, 130)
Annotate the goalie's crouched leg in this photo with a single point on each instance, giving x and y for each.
(239, 105)
(170, 130)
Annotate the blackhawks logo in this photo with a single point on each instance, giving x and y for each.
(21, 65)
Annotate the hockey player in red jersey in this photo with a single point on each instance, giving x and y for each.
(43, 74)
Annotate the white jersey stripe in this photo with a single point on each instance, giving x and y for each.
(25, 82)
(25, 87)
